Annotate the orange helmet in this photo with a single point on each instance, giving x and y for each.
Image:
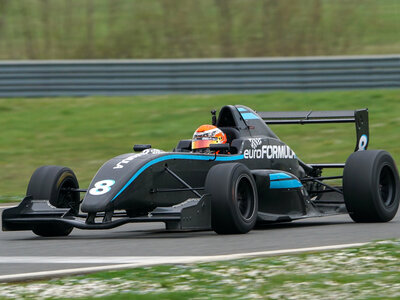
(206, 135)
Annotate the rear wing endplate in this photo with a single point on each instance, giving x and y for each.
(359, 117)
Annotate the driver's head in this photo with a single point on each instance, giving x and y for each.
(206, 135)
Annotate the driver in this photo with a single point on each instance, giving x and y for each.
(206, 135)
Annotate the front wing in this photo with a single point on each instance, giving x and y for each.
(192, 214)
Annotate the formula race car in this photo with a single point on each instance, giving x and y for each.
(253, 178)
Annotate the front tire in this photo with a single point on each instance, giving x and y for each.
(371, 186)
(234, 203)
(52, 183)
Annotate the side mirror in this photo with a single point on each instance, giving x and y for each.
(141, 147)
(224, 148)
(184, 146)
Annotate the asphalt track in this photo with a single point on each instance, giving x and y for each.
(21, 252)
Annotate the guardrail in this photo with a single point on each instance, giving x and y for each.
(136, 77)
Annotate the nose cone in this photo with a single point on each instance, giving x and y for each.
(112, 179)
(104, 186)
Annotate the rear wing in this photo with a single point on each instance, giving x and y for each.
(359, 117)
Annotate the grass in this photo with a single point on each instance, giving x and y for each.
(82, 133)
(368, 272)
(65, 29)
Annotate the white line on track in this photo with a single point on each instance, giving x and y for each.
(125, 262)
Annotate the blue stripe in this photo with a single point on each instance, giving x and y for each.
(177, 156)
(249, 116)
(241, 109)
(285, 184)
(277, 176)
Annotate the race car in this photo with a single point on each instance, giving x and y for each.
(252, 178)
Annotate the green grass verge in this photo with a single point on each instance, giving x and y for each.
(83, 133)
(368, 272)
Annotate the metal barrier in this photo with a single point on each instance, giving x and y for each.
(138, 77)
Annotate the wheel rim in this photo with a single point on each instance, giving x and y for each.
(245, 197)
(387, 186)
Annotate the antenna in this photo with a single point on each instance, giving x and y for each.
(213, 118)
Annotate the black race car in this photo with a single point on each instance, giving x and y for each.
(253, 178)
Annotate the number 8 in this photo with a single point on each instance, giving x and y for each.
(102, 187)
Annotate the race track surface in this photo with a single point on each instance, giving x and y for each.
(153, 240)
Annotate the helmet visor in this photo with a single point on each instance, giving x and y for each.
(199, 144)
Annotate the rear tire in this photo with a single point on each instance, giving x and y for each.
(49, 183)
(234, 203)
(371, 186)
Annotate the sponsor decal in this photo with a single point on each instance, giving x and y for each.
(255, 142)
(269, 152)
(362, 143)
(125, 161)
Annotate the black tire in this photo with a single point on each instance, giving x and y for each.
(49, 183)
(371, 186)
(234, 203)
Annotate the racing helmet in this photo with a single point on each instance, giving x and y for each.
(206, 135)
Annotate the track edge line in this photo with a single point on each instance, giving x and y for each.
(168, 261)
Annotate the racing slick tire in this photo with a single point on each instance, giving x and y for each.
(371, 186)
(234, 203)
(51, 183)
